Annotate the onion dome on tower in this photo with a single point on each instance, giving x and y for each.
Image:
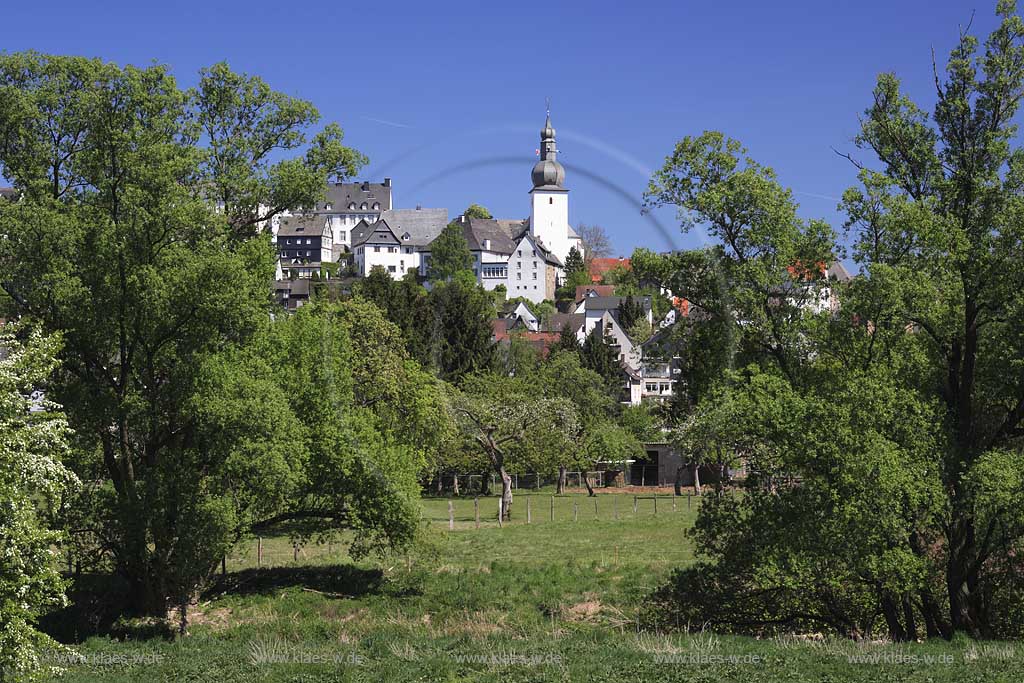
(547, 173)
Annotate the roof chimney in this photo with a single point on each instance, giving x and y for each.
(387, 182)
(366, 185)
(418, 207)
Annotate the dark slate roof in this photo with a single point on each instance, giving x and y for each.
(305, 225)
(556, 321)
(340, 195)
(298, 287)
(410, 227)
(549, 257)
(499, 233)
(8, 193)
(608, 303)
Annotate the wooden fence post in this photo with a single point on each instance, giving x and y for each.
(687, 500)
(673, 503)
(451, 517)
(595, 507)
(552, 508)
(529, 514)
(259, 551)
(615, 506)
(476, 511)
(634, 505)
(655, 504)
(575, 511)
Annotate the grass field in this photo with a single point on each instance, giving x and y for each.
(546, 601)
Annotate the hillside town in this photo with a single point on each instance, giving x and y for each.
(272, 411)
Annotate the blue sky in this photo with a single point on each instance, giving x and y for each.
(448, 98)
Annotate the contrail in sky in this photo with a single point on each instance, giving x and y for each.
(385, 122)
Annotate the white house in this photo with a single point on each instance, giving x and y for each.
(630, 354)
(594, 307)
(345, 205)
(396, 240)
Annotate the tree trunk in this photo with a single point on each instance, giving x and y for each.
(696, 478)
(586, 482)
(455, 485)
(485, 484)
(892, 619)
(440, 483)
(506, 494)
(909, 619)
(560, 488)
(679, 480)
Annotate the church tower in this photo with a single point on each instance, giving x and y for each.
(549, 212)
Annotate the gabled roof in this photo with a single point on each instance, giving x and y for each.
(837, 271)
(304, 225)
(341, 195)
(611, 303)
(549, 257)
(488, 234)
(556, 321)
(593, 290)
(408, 227)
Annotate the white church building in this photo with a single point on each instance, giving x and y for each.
(527, 256)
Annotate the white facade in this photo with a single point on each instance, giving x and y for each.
(629, 353)
(395, 259)
(549, 221)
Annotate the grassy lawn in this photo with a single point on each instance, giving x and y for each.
(546, 601)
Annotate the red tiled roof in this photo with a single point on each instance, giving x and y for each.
(600, 290)
(600, 266)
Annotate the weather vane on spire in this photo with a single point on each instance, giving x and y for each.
(547, 102)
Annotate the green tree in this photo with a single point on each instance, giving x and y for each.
(513, 426)
(600, 354)
(574, 263)
(477, 211)
(454, 333)
(33, 482)
(161, 297)
(899, 415)
(450, 257)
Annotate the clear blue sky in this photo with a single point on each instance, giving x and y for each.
(448, 98)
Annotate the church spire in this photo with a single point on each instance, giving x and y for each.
(547, 172)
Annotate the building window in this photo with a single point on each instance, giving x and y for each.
(352, 206)
(376, 206)
(519, 265)
(551, 200)
(535, 276)
(363, 206)
(391, 269)
(309, 241)
(535, 265)
(408, 250)
(376, 250)
(519, 276)
(651, 387)
(341, 236)
(520, 253)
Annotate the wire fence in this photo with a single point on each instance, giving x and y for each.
(472, 484)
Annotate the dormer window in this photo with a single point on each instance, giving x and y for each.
(328, 207)
(363, 206)
(352, 206)
(406, 236)
(376, 206)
